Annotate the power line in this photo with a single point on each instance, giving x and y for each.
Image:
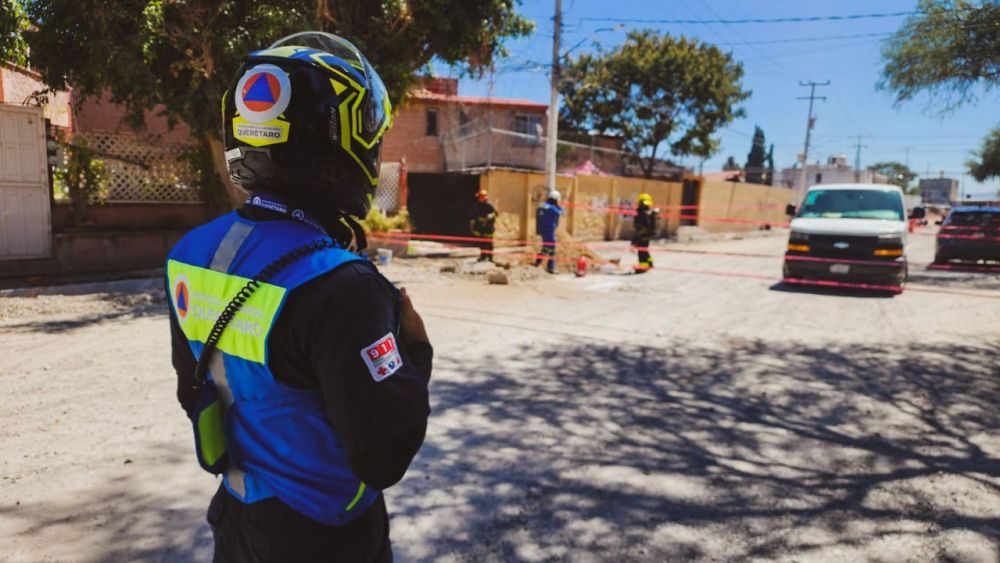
(799, 19)
(806, 39)
(904, 137)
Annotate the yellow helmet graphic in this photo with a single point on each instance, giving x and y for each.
(645, 199)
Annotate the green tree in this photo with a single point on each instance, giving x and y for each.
(656, 91)
(898, 174)
(947, 49)
(83, 178)
(985, 162)
(769, 175)
(756, 158)
(730, 164)
(180, 55)
(13, 24)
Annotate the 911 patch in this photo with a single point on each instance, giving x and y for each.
(382, 357)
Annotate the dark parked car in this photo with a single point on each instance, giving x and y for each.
(969, 234)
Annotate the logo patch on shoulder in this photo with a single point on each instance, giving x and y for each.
(382, 357)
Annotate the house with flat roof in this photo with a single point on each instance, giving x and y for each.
(438, 130)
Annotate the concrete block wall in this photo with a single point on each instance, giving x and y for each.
(739, 207)
(587, 201)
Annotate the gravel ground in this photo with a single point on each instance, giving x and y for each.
(699, 412)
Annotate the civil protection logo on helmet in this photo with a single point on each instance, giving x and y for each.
(261, 95)
(182, 298)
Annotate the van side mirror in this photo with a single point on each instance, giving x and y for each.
(790, 210)
(918, 213)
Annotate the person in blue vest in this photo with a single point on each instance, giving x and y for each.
(303, 370)
(546, 222)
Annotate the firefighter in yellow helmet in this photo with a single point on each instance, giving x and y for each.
(483, 225)
(645, 230)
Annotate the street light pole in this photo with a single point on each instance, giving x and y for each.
(553, 124)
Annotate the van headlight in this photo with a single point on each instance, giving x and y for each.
(797, 237)
(889, 246)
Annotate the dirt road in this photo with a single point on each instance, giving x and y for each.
(698, 412)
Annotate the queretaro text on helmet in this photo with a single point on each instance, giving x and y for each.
(258, 131)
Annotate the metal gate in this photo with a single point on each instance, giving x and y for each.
(690, 196)
(25, 221)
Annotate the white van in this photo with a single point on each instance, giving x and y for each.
(850, 233)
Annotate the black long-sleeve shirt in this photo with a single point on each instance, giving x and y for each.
(484, 222)
(316, 343)
(645, 223)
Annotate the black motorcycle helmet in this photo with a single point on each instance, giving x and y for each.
(305, 118)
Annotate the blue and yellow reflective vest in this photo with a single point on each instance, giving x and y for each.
(278, 439)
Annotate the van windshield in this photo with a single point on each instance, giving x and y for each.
(853, 204)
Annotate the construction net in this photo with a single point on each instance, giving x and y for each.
(475, 146)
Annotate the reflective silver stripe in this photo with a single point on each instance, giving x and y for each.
(230, 245)
(236, 481)
(217, 367)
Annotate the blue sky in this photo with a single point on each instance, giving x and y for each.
(914, 132)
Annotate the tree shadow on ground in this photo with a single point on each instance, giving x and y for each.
(118, 306)
(149, 509)
(955, 279)
(604, 452)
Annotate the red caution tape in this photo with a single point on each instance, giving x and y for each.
(977, 236)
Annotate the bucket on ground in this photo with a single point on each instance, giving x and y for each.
(384, 256)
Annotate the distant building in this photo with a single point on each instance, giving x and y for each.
(938, 191)
(724, 176)
(428, 125)
(835, 171)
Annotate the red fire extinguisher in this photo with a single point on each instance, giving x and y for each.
(581, 266)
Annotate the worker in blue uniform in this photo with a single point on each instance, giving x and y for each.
(546, 223)
(303, 370)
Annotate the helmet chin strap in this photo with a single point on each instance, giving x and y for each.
(358, 240)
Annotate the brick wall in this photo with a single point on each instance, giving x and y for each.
(18, 84)
(408, 136)
(99, 114)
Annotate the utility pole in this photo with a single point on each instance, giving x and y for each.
(553, 129)
(857, 161)
(809, 125)
(489, 113)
